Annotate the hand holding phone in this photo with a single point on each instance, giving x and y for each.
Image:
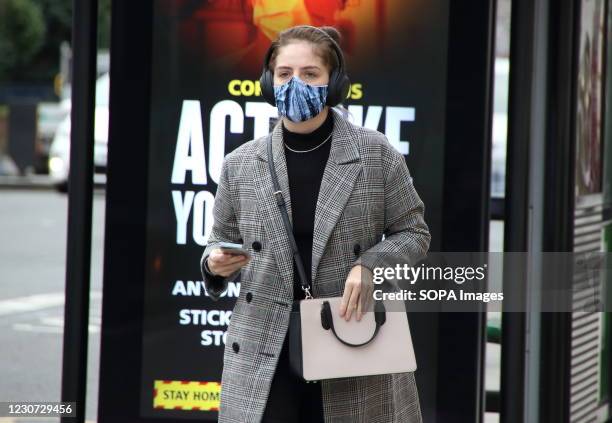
(234, 249)
(227, 258)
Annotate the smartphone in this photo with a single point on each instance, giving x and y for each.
(231, 248)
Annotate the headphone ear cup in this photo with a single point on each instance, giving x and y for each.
(337, 88)
(344, 87)
(266, 82)
(332, 89)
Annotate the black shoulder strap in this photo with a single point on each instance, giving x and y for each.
(280, 201)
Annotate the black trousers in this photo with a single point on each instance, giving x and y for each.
(292, 400)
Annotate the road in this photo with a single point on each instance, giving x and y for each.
(33, 228)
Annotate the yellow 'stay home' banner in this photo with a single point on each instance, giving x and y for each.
(186, 395)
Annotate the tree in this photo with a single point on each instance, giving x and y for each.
(41, 64)
(104, 15)
(22, 32)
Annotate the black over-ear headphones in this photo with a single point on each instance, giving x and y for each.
(337, 87)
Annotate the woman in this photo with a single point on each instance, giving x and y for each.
(345, 186)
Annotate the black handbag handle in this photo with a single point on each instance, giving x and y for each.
(280, 201)
(327, 321)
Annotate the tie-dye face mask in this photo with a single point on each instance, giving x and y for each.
(299, 101)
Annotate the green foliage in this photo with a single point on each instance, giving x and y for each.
(58, 12)
(58, 16)
(104, 15)
(22, 32)
(40, 65)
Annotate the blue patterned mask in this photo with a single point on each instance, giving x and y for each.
(299, 101)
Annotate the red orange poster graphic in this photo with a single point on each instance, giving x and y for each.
(236, 34)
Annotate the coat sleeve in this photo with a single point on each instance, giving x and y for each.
(225, 228)
(406, 235)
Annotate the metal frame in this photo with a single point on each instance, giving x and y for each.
(467, 170)
(80, 183)
(559, 202)
(122, 303)
(540, 204)
(520, 105)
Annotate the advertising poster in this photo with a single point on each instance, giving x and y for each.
(589, 98)
(205, 102)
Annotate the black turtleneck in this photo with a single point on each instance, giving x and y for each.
(305, 172)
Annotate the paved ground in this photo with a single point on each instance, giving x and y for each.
(32, 270)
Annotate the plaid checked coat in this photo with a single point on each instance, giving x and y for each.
(366, 191)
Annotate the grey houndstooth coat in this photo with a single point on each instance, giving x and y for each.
(366, 192)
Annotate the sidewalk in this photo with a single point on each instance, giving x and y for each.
(37, 182)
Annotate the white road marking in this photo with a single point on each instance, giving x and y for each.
(31, 303)
(36, 302)
(53, 321)
(51, 325)
(26, 327)
(31, 419)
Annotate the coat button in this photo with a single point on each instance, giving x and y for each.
(236, 347)
(249, 297)
(357, 249)
(256, 245)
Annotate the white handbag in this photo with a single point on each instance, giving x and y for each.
(353, 348)
(322, 345)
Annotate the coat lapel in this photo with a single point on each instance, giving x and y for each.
(339, 176)
(268, 209)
